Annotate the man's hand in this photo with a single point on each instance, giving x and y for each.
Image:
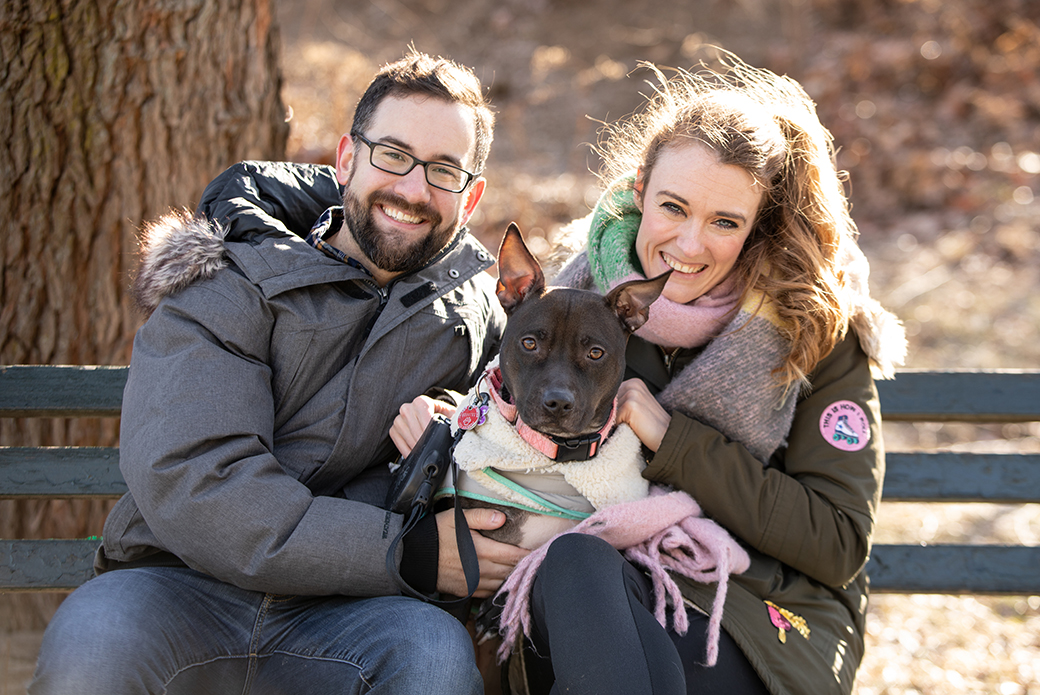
(642, 412)
(496, 559)
(412, 420)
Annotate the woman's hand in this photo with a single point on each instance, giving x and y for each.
(640, 410)
(412, 420)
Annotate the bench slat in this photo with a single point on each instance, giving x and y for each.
(62, 565)
(61, 391)
(955, 569)
(60, 472)
(52, 565)
(915, 396)
(962, 477)
(1011, 395)
(93, 472)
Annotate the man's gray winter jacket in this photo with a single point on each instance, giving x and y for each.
(263, 385)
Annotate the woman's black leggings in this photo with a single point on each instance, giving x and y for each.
(593, 623)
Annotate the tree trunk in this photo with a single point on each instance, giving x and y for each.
(111, 113)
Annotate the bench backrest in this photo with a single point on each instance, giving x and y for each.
(1004, 396)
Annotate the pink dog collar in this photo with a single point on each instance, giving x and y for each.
(557, 448)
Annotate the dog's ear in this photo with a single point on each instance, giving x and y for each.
(631, 300)
(519, 274)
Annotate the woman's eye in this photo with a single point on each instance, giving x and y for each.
(727, 224)
(672, 208)
(529, 344)
(596, 353)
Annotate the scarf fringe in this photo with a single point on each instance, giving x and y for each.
(664, 533)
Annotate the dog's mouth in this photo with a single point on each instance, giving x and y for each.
(563, 420)
(571, 426)
(563, 433)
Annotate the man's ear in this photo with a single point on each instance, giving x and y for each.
(519, 274)
(631, 300)
(473, 195)
(344, 158)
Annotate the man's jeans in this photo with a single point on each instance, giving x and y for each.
(174, 630)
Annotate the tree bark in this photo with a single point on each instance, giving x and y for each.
(111, 113)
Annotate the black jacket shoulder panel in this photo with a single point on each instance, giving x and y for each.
(255, 197)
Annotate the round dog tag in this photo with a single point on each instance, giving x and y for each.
(469, 417)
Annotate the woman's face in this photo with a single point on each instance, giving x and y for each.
(696, 215)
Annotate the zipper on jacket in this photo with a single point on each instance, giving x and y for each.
(384, 296)
(384, 292)
(669, 358)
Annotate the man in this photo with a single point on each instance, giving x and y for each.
(249, 554)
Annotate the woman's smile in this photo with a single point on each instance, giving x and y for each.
(680, 267)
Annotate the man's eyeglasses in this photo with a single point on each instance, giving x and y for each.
(394, 161)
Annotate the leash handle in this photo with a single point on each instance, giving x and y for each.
(463, 540)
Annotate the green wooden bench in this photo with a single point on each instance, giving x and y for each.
(1004, 396)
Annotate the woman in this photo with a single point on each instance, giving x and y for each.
(751, 384)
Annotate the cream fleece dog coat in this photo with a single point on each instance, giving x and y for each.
(496, 464)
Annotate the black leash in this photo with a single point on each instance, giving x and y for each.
(423, 470)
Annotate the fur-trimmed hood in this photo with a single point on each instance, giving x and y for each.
(175, 251)
(254, 201)
(880, 333)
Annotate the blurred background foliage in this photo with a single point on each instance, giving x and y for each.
(934, 106)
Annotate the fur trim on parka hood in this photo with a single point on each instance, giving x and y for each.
(175, 251)
(249, 199)
(880, 333)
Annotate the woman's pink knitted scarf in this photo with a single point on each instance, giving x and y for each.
(665, 532)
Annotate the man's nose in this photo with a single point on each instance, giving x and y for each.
(413, 186)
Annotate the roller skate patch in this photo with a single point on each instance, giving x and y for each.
(845, 426)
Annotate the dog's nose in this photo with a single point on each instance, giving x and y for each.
(558, 401)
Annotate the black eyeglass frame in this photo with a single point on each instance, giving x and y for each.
(470, 177)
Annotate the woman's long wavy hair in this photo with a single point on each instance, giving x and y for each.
(768, 126)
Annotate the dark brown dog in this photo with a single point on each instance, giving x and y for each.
(563, 354)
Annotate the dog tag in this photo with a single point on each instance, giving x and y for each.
(474, 414)
(469, 417)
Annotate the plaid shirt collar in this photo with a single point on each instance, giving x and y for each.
(327, 225)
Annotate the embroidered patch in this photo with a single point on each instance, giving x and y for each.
(845, 426)
(784, 620)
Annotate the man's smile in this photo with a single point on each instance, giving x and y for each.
(399, 215)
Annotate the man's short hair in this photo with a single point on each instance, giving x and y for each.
(418, 73)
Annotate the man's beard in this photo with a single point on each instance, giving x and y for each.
(388, 253)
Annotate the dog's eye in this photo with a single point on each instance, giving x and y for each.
(596, 353)
(529, 343)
